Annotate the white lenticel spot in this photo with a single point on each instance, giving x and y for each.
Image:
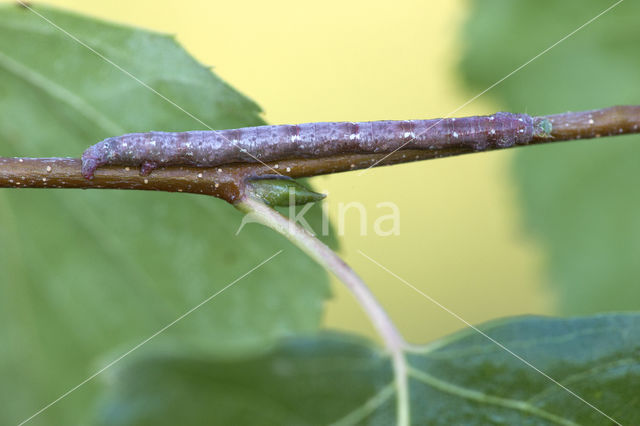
(200, 175)
(288, 169)
(520, 120)
(219, 170)
(216, 185)
(127, 168)
(591, 121)
(455, 135)
(492, 118)
(146, 181)
(44, 179)
(180, 190)
(407, 134)
(521, 131)
(49, 169)
(276, 166)
(152, 142)
(124, 144)
(492, 131)
(21, 160)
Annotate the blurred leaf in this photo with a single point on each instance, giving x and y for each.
(90, 273)
(463, 379)
(579, 198)
(302, 381)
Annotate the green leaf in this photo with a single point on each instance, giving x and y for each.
(302, 381)
(462, 379)
(473, 381)
(580, 198)
(86, 275)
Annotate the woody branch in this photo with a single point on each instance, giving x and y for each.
(228, 182)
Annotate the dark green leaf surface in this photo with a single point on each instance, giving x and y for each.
(579, 198)
(303, 381)
(86, 275)
(463, 379)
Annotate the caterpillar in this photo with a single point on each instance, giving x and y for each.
(311, 140)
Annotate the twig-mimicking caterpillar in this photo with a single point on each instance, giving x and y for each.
(311, 140)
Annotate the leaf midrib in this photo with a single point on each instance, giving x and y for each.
(480, 397)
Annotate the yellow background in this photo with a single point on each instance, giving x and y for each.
(461, 240)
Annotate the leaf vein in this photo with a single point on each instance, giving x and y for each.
(481, 397)
(60, 93)
(368, 407)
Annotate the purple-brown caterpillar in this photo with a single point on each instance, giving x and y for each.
(311, 140)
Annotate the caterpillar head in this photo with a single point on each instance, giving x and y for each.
(542, 128)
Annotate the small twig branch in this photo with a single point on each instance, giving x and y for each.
(617, 120)
(227, 182)
(326, 257)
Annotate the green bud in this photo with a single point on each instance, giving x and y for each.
(282, 192)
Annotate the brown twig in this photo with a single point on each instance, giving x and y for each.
(617, 120)
(227, 182)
